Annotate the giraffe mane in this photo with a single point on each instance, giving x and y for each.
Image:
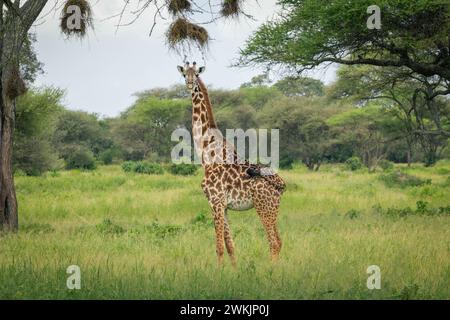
(211, 121)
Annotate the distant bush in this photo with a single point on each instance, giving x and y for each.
(422, 208)
(81, 158)
(286, 163)
(19, 173)
(106, 156)
(353, 163)
(128, 166)
(142, 167)
(183, 169)
(386, 165)
(148, 168)
(403, 180)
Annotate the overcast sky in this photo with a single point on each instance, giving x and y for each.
(101, 73)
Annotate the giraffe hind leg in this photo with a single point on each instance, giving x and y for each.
(272, 234)
(267, 207)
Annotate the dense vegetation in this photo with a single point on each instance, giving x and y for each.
(318, 124)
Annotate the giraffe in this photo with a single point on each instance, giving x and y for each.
(230, 183)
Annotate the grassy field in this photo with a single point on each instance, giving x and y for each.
(151, 237)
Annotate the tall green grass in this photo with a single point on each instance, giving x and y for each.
(151, 236)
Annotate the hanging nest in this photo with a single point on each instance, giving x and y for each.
(231, 8)
(15, 86)
(179, 6)
(85, 19)
(182, 32)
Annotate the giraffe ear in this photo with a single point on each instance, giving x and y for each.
(180, 69)
(201, 70)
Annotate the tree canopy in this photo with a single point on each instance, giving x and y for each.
(308, 33)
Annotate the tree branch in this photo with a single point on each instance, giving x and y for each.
(424, 69)
(30, 12)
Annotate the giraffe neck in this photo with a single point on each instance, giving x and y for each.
(202, 117)
(202, 105)
(206, 134)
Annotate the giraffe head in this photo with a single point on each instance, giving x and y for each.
(190, 74)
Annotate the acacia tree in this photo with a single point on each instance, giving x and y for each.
(415, 100)
(414, 36)
(308, 33)
(15, 22)
(16, 19)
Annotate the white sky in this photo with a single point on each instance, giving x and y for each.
(101, 73)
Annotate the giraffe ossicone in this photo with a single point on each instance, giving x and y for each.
(229, 182)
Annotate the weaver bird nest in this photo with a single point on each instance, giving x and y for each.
(70, 26)
(15, 86)
(176, 7)
(182, 32)
(231, 8)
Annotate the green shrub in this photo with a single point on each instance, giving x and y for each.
(128, 166)
(148, 168)
(106, 156)
(19, 173)
(353, 163)
(403, 212)
(402, 180)
(201, 219)
(444, 210)
(183, 169)
(143, 167)
(422, 208)
(81, 158)
(386, 165)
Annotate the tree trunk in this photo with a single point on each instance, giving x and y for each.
(14, 25)
(408, 158)
(317, 167)
(8, 200)
(309, 164)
